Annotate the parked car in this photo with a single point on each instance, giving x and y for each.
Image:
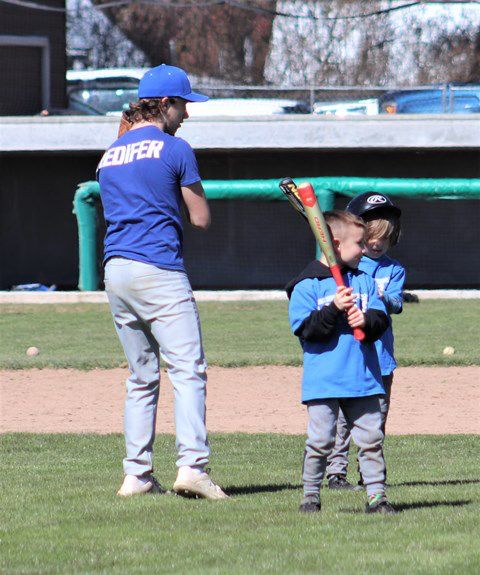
(448, 99)
(368, 107)
(246, 107)
(106, 75)
(101, 101)
(109, 92)
(103, 91)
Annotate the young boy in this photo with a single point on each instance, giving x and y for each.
(382, 218)
(339, 371)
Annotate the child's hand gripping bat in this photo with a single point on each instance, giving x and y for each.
(304, 200)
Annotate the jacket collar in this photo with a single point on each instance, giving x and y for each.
(315, 270)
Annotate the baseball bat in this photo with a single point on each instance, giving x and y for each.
(322, 234)
(289, 188)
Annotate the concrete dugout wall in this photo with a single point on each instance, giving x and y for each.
(250, 244)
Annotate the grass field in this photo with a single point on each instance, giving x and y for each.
(235, 334)
(59, 514)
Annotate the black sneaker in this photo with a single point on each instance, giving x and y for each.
(310, 505)
(379, 504)
(339, 482)
(157, 488)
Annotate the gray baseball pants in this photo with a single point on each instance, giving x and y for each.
(155, 316)
(338, 459)
(365, 421)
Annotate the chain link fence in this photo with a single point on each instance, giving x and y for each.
(357, 100)
(112, 94)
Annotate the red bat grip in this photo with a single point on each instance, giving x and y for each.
(337, 275)
(358, 333)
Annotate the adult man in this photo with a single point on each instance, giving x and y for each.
(144, 178)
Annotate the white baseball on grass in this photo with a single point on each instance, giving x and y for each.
(33, 351)
(449, 350)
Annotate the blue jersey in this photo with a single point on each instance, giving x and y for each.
(140, 178)
(389, 275)
(337, 366)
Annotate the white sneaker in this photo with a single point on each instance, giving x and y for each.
(196, 483)
(133, 485)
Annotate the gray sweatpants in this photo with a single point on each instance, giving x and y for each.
(365, 421)
(155, 316)
(338, 460)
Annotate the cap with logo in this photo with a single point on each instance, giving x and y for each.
(168, 81)
(369, 201)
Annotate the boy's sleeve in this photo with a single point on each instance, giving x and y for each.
(392, 296)
(376, 319)
(306, 321)
(184, 163)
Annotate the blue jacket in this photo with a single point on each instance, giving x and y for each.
(335, 365)
(389, 275)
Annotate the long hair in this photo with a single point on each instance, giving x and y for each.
(144, 110)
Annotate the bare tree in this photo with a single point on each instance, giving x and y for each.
(474, 72)
(325, 47)
(450, 58)
(223, 41)
(94, 42)
(421, 44)
(317, 43)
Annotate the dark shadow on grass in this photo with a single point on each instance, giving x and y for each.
(269, 488)
(430, 504)
(418, 505)
(435, 483)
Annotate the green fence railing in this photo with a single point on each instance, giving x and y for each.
(87, 198)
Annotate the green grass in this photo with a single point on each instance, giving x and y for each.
(59, 514)
(235, 334)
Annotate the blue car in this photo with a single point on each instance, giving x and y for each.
(447, 99)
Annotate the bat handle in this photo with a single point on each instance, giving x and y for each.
(358, 333)
(337, 275)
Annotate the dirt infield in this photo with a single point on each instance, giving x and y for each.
(254, 399)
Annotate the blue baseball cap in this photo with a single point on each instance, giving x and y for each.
(168, 81)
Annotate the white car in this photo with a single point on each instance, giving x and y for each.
(368, 107)
(246, 107)
(110, 75)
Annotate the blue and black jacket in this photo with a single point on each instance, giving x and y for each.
(335, 364)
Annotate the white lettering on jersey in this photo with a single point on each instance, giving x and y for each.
(381, 284)
(121, 155)
(142, 149)
(133, 151)
(107, 158)
(118, 156)
(154, 149)
(321, 301)
(362, 301)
